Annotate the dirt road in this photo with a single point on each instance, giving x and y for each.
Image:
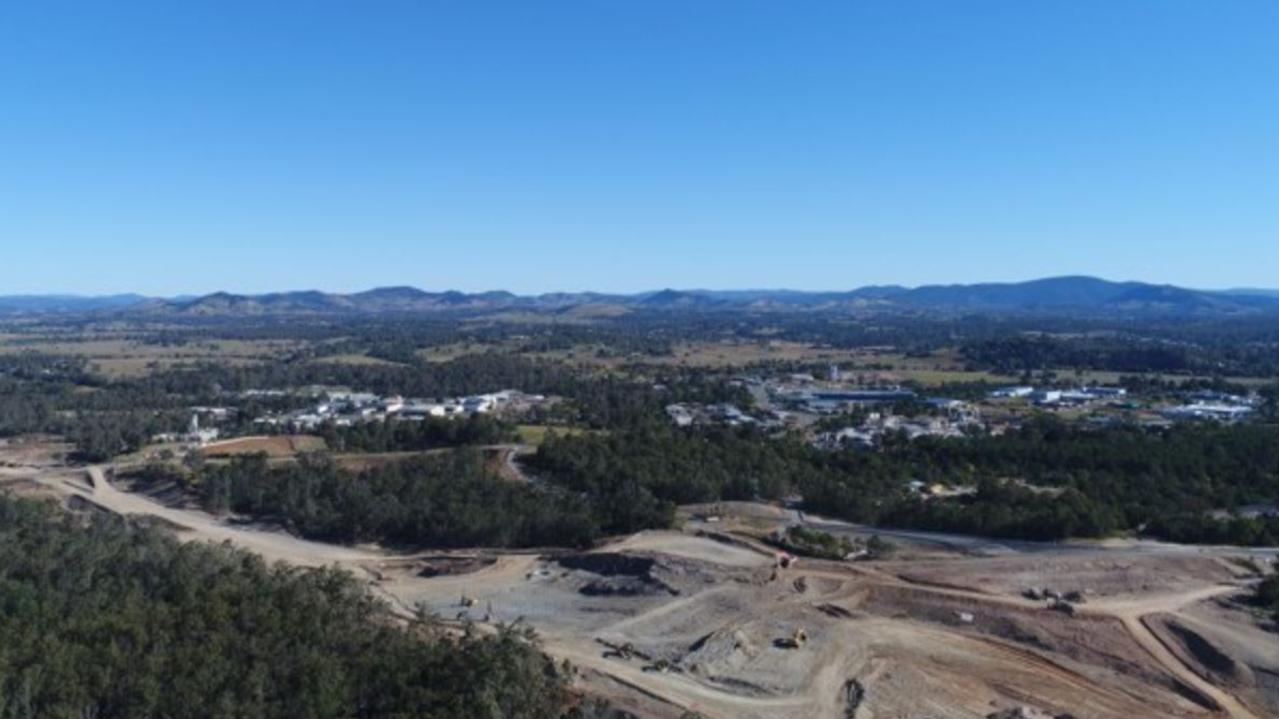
(272, 545)
(987, 546)
(676, 689)
(1133, 612)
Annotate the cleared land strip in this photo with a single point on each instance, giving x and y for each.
(272, 545)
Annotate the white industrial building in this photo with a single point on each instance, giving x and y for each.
(1013, 392)
(1046, 396)
(1205, 411)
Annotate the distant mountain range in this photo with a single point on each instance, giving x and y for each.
(1251, 292)
(13, 304)
(1056, 295)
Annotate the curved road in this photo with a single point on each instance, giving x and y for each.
(273, 545)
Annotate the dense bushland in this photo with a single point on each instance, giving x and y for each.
(446, 500)
(103, 619)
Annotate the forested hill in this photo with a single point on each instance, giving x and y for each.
(1058, 295)
(1047, 481)
(1069, 296)
(112, 621)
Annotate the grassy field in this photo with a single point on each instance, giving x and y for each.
(372, 460)
(1110, 378)
(708, 355)
(444, 353)
(731, 354)
(889, 366)
(117, 357)
(356, 359)
(113, 354)
(276, 447)
(535, 434)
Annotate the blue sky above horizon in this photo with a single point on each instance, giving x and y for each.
(188, 147)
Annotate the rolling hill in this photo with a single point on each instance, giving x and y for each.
(1074, 295)
(41, 304)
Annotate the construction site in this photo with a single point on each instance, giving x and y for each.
(713, 620)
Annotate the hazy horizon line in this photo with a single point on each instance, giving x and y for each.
(190, 294)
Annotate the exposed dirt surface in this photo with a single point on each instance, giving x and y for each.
(448, 566)
(1199, 653)
(271, 544)
(1096, 575)
(1228, 643)
(276, 446)
(33, 452)
(667, 622)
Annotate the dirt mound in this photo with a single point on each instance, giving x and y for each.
(632, 573)
(621, 575)
(1238, 632)
(610, 564)
(817, 587)
(1199, 653)
(752, 658)
(625, 587)
(1098, 643)
(722, 649)
(453, 566)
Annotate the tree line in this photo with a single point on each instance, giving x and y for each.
(426, 434)
(1049, 480)
(445, 500)
(109, 620)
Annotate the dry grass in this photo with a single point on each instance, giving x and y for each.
(275, 447)
(444, 353)
(115, 357)
(372, 460)
(356, 359)
(535, 434)
(709, 355)
(1112, 378)
(942, 367)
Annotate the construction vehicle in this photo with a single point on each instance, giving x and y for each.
(794, 641)
(1062, 606)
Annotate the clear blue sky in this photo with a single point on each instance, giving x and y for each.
(186, 146)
